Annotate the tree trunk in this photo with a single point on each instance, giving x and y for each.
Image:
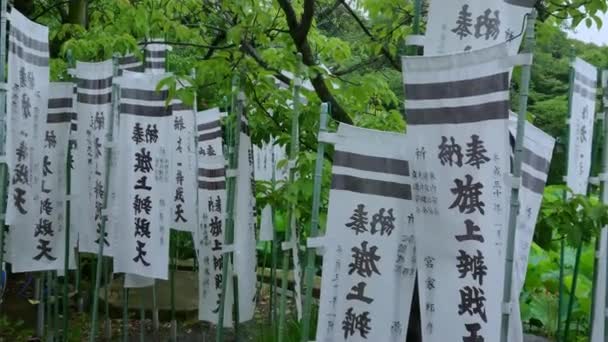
(26, 7)
(77, 12)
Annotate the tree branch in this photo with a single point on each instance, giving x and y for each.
(318, 82)
(57, 6)
(394, 63)
(251, 51)
(305, 22)
(354, 67)
(203, 46)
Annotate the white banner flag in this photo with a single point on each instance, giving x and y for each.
(93, 108)
(457, 111)
(464, 25)
(30, 243)
(368, 260)
(599, 305)
(142, 245)
(244, 227)
(582, 116)
(183, 168)
(536, 159)
(129, 62)
(210, 235)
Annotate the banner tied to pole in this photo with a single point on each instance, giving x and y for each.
(88, 180)
(369, 252)
(536, 159)
(266, 162)
(457, 112)
(582, 116)
(245, 226)
(210, 234)
(142, 246)
(155, 54)
(466, 25)
(183, 149)
(27, 101)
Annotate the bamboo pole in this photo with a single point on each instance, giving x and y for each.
(125, 314)
(3, 114)
(107, 280)
(108, 159)
(291, 217)
(172, 289)
(311, 268)
(38, 289)
(565, 195)
(604, 180)
(234, 129)
(519, 144)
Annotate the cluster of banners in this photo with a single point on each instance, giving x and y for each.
(139, 167)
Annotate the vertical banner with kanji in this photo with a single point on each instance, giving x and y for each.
(266, 161)
(536, 159)
(29, 247)
(142, 244)
(93, 107)
(183, 168)
(210, 233)
(457, 110)
(582, 116)
(244, 226)
(369, 252)
(465, 25)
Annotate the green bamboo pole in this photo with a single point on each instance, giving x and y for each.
(38, 289)
(155, 318)
(142, 318)
(172, 285)
(234, 128)
(108, 159)
(519, 144)
(311, 269)
(3, 166)
(272, 313)
(125, 314)
(56, 305)
(48, 293)
(573, 290)
(597, 137)
(605, 172)
(565, 195)
(293, 157)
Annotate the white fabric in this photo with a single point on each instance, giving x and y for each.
(460, 193)
(142, 245)
(444, 35)
(582, 115)
(538, 146)
(387, 233)
(93, 110)
(183, 168)
(266, 224)
(27, 100)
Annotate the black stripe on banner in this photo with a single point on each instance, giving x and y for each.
(95, 99)
(212, 173)
(181, 106)
(532, 183)
(535, 161)
(28, 57)
(152, 111)
(128, 60)
(584, 91)
(65, 102)
(585, 80)
(59, 117)
(155, 65)
(74, 116)
(208, 125)
(212, 185)
(94, 84)
(28, 41)
(521, 3)
(370, 163)
(456, 115)
(74, 127)
(455, 89)
(371, 187)
(210, 136)
(144, 95)
(155, 53)
(244, 128)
